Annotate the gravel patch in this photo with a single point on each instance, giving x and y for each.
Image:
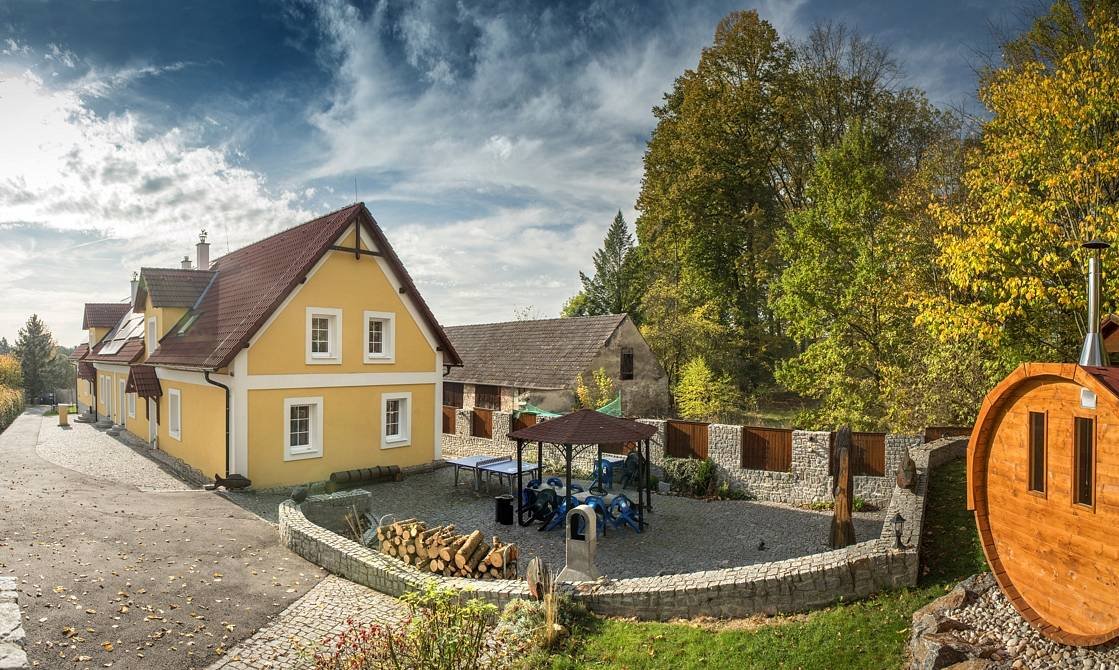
(685, 535)
(93, 452)
(992, 619)
(324, 610)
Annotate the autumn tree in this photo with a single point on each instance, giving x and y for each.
(1043, 179)
(701, 394)
(596, 392)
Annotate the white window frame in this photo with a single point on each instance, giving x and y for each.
(334, 355)
(315, 449)
(174, 411)
(404, 439)
(132, 405)
(388, 336)
(151, 333)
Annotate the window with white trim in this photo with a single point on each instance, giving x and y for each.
(174, 414)
(132, 405)
(323, 327)
(153, 335)
(396, 419)
(302, 428)
(380, 337)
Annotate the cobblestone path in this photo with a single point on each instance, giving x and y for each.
(93, 452)
(285, 643)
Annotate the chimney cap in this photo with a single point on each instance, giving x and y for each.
(1095, 244)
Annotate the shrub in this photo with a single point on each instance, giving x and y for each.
(11, 374)
(11, 404)
(442, 633)
(692, 476)
(523, 622)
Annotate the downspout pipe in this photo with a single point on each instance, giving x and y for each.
(228, 395)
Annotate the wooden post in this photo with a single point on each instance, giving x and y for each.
(842, 526)
(520, 485)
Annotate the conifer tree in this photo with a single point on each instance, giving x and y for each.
(617, 285)
(35, 349)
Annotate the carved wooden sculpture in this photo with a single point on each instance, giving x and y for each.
(842, 526)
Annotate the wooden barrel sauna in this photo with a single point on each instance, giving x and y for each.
(1043, 481)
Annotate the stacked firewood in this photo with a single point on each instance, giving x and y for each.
(441, 550)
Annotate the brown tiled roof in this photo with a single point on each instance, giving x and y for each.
(129, 352)
(103, 314)
(171, 287)
(250, 284)
(542, 354)
(586, 426)
(86, 371)
(78, 352)
(143, 382)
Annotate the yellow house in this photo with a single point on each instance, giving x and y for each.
(98, 320)
(304, 354)
(112, 357)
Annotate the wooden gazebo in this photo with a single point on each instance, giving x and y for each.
(574, 433)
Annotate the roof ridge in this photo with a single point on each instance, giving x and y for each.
(288, 230)
(603, 317)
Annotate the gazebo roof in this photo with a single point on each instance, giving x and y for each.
(585, 426)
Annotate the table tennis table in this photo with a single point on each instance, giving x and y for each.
(490, 465)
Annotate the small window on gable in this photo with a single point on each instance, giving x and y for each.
(396, 419)
(324, 325)
(1037, 440)
(627, 363)
(1084, 461)
(302, 428)
(153, 335)
(380, 337)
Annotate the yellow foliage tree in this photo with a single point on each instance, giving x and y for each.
(596, 393)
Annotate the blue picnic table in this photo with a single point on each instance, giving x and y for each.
(490, 465)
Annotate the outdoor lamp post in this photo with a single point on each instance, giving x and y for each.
(899, 523)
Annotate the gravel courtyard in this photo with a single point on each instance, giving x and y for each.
(684, 534)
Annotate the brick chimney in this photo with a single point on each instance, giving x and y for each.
(203, 255)
(135, 284)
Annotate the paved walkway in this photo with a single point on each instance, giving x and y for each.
(287, 642)
(112, 576)
(93, 452)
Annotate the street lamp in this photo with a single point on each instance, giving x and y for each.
(899, 522)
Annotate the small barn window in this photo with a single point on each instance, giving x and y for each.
(627, 363)
(487, 397)
(1084, 461)
(1037, 452)
(452, 394)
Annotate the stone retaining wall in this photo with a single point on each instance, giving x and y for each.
(809, 480)
(12, 638)
(792, 585)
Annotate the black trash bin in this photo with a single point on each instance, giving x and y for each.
(503, 509)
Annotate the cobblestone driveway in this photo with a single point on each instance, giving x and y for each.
(112, 576)
(284, 643)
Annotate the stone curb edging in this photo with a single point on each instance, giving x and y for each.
(796, 584)
(12, 655)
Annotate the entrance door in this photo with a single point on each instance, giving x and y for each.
(123, 404)
(153, 423)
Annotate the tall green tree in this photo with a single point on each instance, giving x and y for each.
(5, 348)
(617, 284)
(35, 349)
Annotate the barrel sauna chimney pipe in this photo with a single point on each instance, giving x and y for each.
(1092, 351)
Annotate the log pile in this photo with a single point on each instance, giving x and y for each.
(441, 550)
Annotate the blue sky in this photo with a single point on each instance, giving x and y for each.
(493, 141)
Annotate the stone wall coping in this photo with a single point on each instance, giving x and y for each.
(12, 637)
(794, 584)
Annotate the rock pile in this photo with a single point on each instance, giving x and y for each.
(975, 627)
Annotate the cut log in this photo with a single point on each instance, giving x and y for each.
(471, 562)
(468, 547)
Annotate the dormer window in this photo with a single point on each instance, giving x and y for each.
(323, 327)
(380, 337)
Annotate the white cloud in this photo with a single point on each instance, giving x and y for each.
(70, 174)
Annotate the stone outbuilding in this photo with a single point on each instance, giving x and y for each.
(539, 362)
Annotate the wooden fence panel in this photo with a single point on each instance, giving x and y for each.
(868, 455)
(621, 448)
(481, 423)
(449, 420)
(934, 433)
(767, 449)
(524, 421)
(686, 439)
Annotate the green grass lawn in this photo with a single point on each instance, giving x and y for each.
(867, 634)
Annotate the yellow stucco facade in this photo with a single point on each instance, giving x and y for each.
(165, 319)
(200, 440)
(85, 394)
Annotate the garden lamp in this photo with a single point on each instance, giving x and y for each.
(899, 522)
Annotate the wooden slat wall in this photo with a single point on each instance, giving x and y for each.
(619, 448)
(868, 455)
(686, 439)
(449, 420)
(524, 421)
(767, 449)
(481, 423)
(487, 397)
(452, 394)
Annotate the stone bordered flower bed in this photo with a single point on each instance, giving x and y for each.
(791, 585)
